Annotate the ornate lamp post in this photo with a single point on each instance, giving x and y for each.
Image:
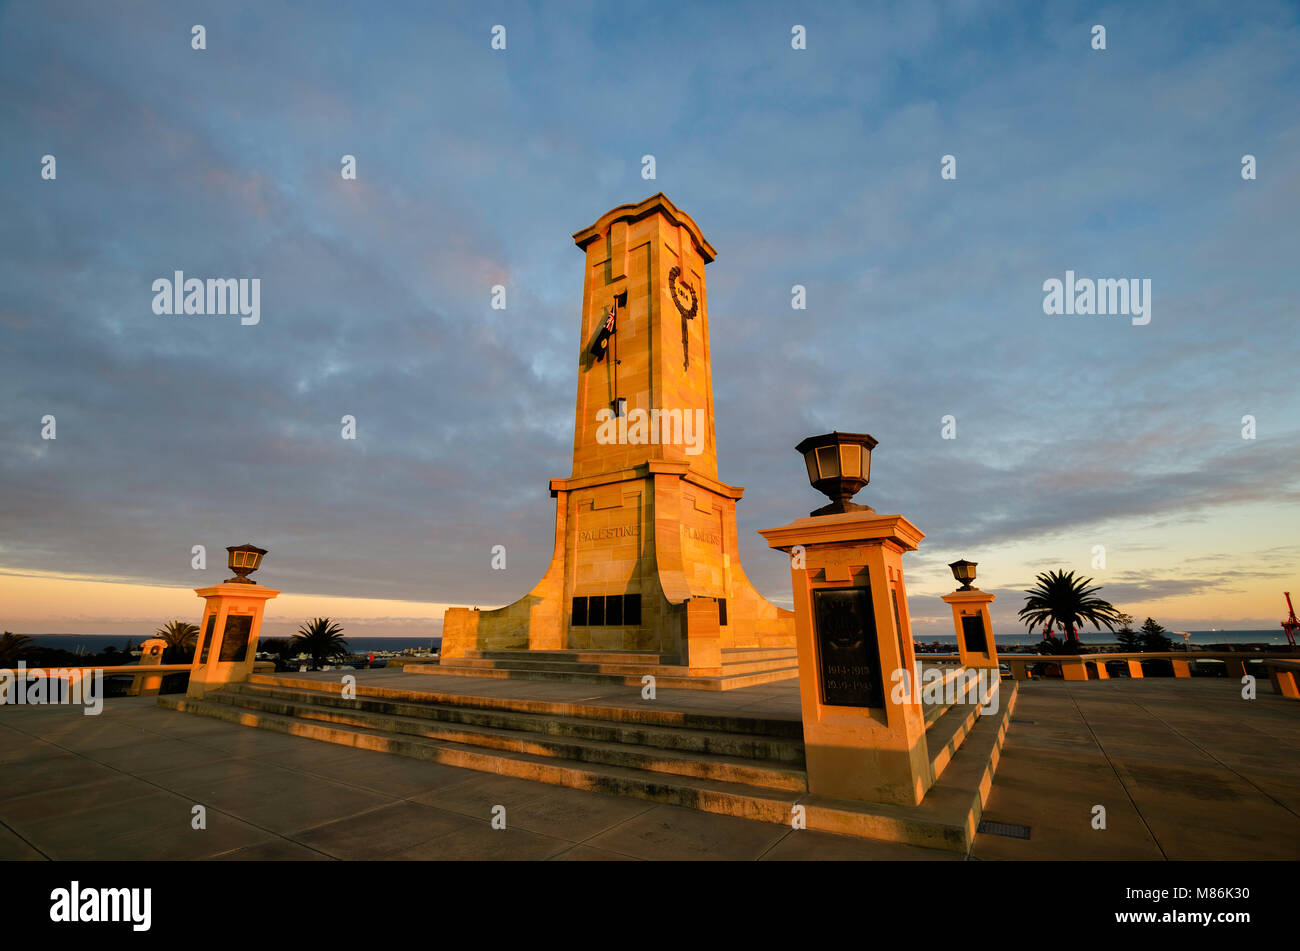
(839, 464)
(243, 560)
(964, 572)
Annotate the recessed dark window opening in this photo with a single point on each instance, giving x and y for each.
(615, 610)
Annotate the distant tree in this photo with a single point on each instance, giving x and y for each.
(322, 638)
(12, 647)
(1068, 602)
(1153, 637)
(1129, 639)
(181, 637)
(282, 647)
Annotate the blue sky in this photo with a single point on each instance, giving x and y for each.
(817, 167)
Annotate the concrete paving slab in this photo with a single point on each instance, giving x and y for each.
(572, 814)
(288, 801)
(673, 833)
(147, 754)
(478, 792)
(13, 848)
(381, 832)
(395, 776)
(478, 841)
(273, 850)
(70, 800)
(807, 845)
(51, 772)
(585, 853)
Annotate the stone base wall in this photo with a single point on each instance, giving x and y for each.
(658, 531)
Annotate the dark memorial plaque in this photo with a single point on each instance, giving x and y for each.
(846, 647)
(972, 630)
(234, 642)
(207, 639)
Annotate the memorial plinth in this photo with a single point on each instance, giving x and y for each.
(227, 645)
(974, 627)
(863, 723)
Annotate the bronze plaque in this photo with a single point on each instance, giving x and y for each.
(207, 638)
(234, 643)
(847, 654)
(972, 630)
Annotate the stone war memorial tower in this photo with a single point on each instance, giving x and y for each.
(646, 557)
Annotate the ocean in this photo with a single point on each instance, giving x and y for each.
(94, 643)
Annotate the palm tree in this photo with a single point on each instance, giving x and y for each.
(1062, 599)
(322, 638)
(181, 637)
(12, 646)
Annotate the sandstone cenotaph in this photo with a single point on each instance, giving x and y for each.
(646, 555)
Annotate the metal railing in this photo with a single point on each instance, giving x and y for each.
(1282, 668)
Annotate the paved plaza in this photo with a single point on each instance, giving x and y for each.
(1184, 768)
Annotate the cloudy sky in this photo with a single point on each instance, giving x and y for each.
(818, 167)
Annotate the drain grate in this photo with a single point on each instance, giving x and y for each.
(1019, 720)
(1009, 829)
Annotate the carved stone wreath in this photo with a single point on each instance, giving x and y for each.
(675, 286)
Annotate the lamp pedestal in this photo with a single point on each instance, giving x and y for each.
(227, 646)
(151, 654)
(970, 618)
(863, 725)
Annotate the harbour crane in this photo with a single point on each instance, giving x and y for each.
(1291, 626)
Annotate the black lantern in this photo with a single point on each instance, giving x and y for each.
(243, 561)
(839, 464)
(964, 571)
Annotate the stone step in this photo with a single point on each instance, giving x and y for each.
(730, 668)
(729, 654)
(529, 663)
(758, 653)
(709, 795)
(781, 748)
(951, 810)
(633, 713)
(724, 682)
(945, 735)
(946, 819)
(776, 739)
(573, 656)
(950, 720)
(729, 769)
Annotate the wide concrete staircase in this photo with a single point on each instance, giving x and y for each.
(741, 667)
(751, 767)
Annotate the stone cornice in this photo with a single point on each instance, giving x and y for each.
(635, 212)
(645, 470)
(846, 528)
